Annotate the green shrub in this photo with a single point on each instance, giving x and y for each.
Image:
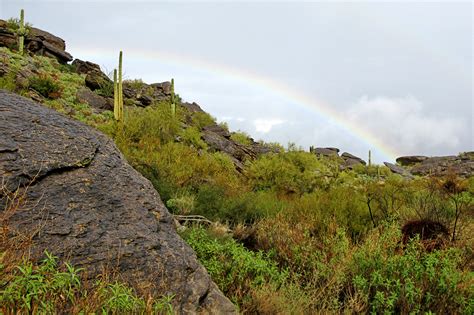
(288, 173)
(202, 119)
(241, 137)
(413, 281)
(192, 136)
(48, 288)
(46, 86)
(235, 269)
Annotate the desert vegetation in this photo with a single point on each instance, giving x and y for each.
(290, 233)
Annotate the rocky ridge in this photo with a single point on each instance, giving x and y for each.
(37, 42)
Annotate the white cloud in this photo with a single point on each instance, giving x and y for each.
(403, 123)
(266, 125)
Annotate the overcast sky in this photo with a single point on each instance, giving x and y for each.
(395, 78)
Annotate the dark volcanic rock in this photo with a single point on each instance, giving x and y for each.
(217, 130)
(38, 42)
(398, 170)
(144, 100)
(461, 165)
(85, 67)
(85, 95)
(411, 160)
(442, 165)
(192, 107)
(325, 151)
(95, 78)
(85, 204)
(351, 160)
(238, 153)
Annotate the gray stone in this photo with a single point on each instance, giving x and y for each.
(85, 95)
(411, 160)
(87, 205)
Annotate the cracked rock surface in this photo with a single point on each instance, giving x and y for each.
(87, 205)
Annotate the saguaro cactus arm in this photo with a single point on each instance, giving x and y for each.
(173, 104)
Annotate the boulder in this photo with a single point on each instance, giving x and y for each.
(85, 95)
(97, 80)
(37, 41)
(84, 67)
(217, 141)
(351, 160)
(460, 165)
(85, 204)
(219, 130)
(398, 170)
(411, 160)
(325, 151)
(443, 165)
(192, 107)
(144, 100)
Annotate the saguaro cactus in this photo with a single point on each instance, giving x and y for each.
(116, 101)
(120, 88)
(21, 32)
(118, 91)
(173, 104)
(370, 158)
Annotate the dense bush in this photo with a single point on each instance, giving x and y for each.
(236, 270)
(46, 86)
(386, 278)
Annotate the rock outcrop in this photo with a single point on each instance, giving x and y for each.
(461, 165)
(95, 79)
(37, 41)
(411, 160)
(85, 204)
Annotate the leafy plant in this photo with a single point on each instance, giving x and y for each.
(46, 86)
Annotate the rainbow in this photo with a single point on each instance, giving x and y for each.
(280, 89)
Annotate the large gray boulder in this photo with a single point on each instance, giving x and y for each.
(86, 204)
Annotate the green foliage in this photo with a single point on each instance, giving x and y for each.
(182, 203)
(235, 269)
(136, 84)
(292, 172)
(46, 86)
(241, 137)
(412, 282)
(192, 136)
(49, 288)
(202, 119)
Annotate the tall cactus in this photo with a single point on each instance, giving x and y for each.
(120, 88)
(116, 101)
(173, 104)
(118, 91)
(370, 158)
(21, 32)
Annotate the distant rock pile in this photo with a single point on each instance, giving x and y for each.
(409, 166)
(347, 160)
(461, 165)
(37, 41)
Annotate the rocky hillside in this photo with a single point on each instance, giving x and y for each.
(278, 231)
